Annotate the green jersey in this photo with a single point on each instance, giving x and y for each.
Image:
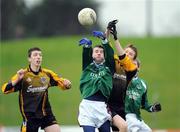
(95, 77)
(136, 97)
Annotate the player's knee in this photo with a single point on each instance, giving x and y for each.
(120, 123)
(124, 127)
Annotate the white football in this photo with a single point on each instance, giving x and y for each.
(87, 17)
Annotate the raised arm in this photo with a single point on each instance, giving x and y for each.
(156, 107)
(87, 52)
(112, 29)
(125, 61)
(120, 50)
(144, 103)
(14, 84)
(108, 50)
(109, 57)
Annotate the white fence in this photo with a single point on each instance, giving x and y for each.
(63, 129)
(67, 129)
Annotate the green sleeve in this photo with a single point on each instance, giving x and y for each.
(109, 57)
(86, 57)
(145, 105)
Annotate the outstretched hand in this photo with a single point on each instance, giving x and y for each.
(85, 41)
(99, 34)
(111, 24)
(112, 28)
(156, 107)
(114, 32)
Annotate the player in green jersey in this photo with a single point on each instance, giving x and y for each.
(136, 98)
(33, 83)
(96, 84)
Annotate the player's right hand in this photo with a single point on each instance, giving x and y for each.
(99, 34)
(85, 41)
(20, 74)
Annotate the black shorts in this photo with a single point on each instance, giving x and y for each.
(32, 125)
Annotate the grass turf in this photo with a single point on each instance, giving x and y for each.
(160, 60)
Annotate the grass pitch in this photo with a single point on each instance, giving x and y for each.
(160, 58)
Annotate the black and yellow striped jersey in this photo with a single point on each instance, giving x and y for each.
(125, 66)
(125, 71)
(33, 91)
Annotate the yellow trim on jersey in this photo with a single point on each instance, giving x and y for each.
(14, 77)
(5, 85)
(23, 128)
(43, 104)
(58, 79)
(22, 107)
(118, 67)
(4, 89)
(126, 63)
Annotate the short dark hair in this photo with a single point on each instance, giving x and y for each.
(99, 46)
(33, 49)
(134, 49)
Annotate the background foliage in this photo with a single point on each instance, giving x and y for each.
(50, 17)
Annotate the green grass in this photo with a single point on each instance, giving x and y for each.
(160, 58)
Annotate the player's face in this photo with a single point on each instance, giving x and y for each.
(36, 58)
(130, 53)
(98, 55)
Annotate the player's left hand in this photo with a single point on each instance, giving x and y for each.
(85, 41)
(156, 107)
(111, 24)
(99, 34)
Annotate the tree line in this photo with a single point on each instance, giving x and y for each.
(49, 18)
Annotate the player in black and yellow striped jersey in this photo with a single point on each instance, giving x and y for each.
(125, 69)
(33, 83)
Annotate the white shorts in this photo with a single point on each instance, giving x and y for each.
(135, 125)
(93, 113)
